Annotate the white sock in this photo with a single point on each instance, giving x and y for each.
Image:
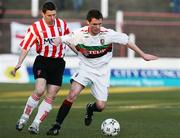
(44, 108)
(32, 103)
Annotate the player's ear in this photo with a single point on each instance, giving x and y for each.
(42, 13)
(87, 22)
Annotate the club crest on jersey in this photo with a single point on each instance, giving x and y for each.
(102, 41)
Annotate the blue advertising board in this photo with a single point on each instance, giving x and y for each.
(132, 77)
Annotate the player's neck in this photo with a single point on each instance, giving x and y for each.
(94, 34)
(49, 23)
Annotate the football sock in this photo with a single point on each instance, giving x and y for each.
(44, 108)
(63, 111)
(94, 108)
(32, 102)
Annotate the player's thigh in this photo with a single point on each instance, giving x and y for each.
(75, 90)
(40, 86)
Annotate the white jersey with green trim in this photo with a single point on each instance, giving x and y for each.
(95, 52)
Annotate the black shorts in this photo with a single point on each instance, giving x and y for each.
(51, 69)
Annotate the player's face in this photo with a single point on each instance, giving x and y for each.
(94, 26)
(49, 16)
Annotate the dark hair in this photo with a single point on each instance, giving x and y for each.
(94, 14)
(48, 5)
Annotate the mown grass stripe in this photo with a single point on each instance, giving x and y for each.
(87, 90)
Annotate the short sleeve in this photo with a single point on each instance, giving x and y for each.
(29, 39)
(116, 37)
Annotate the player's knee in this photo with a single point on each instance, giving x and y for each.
(100, 107)
(74, 92)
(72, 97)
(39, 91)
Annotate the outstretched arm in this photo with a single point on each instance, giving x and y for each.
(58, 40)
(72, 47)
(145, 56)
(20, 61)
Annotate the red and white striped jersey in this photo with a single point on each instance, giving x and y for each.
(40, 36)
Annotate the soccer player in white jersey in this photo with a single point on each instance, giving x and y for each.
(94, 46)
(48, 67)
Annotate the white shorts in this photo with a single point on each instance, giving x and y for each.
(99, 83)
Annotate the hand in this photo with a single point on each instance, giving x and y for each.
(57, 41)
(149, 57)
(13, 72)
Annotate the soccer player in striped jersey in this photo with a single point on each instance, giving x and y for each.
(48, 66)
(94, 46)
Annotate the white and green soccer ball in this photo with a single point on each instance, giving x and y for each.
(110, 127)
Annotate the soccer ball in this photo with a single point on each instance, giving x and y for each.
(110, 127)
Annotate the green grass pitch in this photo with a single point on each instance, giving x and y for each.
(142, 113)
